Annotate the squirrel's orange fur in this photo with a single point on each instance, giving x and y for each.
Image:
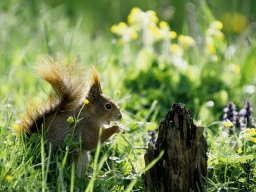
(69, 84)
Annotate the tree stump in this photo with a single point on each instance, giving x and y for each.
(183, 165)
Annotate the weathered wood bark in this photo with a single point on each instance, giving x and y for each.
(184, 162)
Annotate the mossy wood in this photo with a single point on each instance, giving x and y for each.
(183, 165)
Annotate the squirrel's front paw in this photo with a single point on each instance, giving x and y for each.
(120, 129)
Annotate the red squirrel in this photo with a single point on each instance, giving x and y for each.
(70, 101)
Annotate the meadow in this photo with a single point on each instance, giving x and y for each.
(149, 54)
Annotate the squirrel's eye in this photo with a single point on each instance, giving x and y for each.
(108, 106)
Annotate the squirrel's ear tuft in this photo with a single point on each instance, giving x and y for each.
(95, 87)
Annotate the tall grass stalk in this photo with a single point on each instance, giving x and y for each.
(72, 182)
(44, 184)
(96, 166)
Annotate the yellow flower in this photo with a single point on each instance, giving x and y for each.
(133, 14)
(119, 28)
(239, 150)
(155, 19)
(152, 16)
(16, 127)
(86, 102)
(135, 10)
(227, 124)
(155, 31)
(252, 130)
(211, 48)
(122, 25)
(8, 178)
(131, 19)
(134, 35)
(182, 38)
(189, 40)
(176, 49)
(173, 34)
(219, 35)
(254, 139)
(70, 120)
(240, 23)
(114, 29)
(186, 41)
(217, 25)
(164, 25)
(153, 13)
(234, 22)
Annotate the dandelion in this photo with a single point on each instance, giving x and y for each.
(70, 120)
(252, 131)
(8, 178)
(86, 102)
(16, 127)
(239, 150)
(228, 124)
(249, 134)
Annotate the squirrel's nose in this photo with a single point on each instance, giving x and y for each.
(119, 116)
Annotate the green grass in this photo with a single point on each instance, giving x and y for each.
(143, 77)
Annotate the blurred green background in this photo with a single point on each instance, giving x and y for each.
(33, 29)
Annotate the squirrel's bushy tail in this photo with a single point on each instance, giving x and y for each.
(68, 82)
